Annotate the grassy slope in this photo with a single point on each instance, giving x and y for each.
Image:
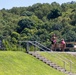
(20, 63)
(59, 59)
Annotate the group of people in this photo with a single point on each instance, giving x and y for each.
(61, 45)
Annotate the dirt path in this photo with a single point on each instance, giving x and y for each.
(73, 53)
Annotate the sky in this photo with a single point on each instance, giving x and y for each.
(8, 4)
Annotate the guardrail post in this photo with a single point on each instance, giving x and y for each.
(27, 49)
(34, 47)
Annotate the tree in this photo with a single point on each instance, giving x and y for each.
(15, 35)
(27, 13)
(70, 36)
(25, 23)
(57, 27)
(55, 13)
(73, 18)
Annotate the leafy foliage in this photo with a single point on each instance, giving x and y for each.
(39, 22)
(55, 13)
(25, 23)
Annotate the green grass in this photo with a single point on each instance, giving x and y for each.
(62, 59)
(20, 63)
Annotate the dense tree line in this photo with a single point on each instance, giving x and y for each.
(38, 22)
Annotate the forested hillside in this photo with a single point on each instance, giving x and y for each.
(38, 22)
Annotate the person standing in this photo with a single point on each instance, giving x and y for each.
(62, 44)
(54, 42)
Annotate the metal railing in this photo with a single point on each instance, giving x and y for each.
(67, 62)
(35, 44)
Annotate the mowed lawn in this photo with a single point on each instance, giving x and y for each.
(20, 63)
